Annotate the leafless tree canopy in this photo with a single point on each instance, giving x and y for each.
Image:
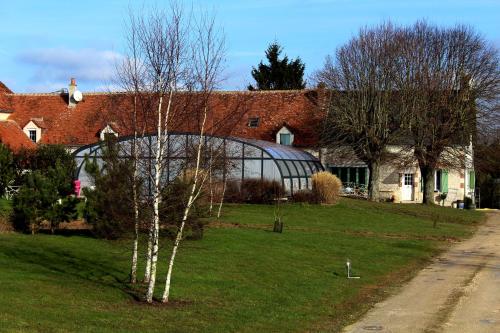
(448, 86)
(422, 87)
(361, 113)
(172, 65)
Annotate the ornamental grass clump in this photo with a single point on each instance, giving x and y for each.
(326, 187)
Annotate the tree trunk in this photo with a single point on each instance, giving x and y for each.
(133, 268)
(428, 184)
(147, 272)
(192, 198)
(374, 181)
(211, 191)
(222, 198)
(156, 206)
(154, 256)
(178, 239)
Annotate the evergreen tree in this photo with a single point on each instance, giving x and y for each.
(45, 188)
(279, 74)
(7, 170)
(38, 200)
(36, 194)
(108, 208)
(56, 163)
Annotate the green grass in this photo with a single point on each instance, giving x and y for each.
(80, 207)
(5, 207)
(240, 277)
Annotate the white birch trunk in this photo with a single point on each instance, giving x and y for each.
(222, 198)
(157, 196)
(211, 191)
(133, 269)
(147, 272)
(192, 197)
(156, 209)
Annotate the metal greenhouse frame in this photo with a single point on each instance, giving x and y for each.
(251, 159)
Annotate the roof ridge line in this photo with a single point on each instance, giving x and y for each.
(126, 92)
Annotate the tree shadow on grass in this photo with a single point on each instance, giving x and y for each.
(86, 265)
(68, 232)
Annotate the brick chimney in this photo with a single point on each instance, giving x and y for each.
(71, 91)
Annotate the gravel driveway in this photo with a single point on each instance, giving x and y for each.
(458, 292)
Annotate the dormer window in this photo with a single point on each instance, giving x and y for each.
(106, 131)
(284, 137)
(253, 122)
(33, 129)
(32, 135)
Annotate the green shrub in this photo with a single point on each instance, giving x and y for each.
(109, 205)
(38, 200)
(326, 187)
(52, 161)
(7, 169)
(174, 200)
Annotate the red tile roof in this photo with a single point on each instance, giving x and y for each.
(80, 125)
(38, 122)
(13, 136)
(4, 89)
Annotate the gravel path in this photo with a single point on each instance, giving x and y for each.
(458, 292)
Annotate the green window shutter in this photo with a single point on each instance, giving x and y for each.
(285, 139)
(472, 180)
(444, 181)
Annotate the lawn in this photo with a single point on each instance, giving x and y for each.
(5, 211)
(5, 207)
(240, 277)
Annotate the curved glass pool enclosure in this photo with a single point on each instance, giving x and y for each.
(238, 159)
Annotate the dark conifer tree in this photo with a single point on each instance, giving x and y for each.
(279, 74)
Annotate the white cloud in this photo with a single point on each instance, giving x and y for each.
(53, 65)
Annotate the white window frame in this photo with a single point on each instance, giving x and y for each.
(31, 126)
(32, 135)
(408, 179)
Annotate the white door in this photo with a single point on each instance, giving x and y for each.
(407, 189)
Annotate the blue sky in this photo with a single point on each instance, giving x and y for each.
(44, 43)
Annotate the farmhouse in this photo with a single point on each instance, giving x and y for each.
(283, 123)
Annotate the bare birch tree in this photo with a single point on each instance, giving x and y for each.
(155, 70)
(130, 77)
(172, 66)
(206, 66)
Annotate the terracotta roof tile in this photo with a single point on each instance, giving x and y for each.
(80, 125)
(13, 136)
(4, 89)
